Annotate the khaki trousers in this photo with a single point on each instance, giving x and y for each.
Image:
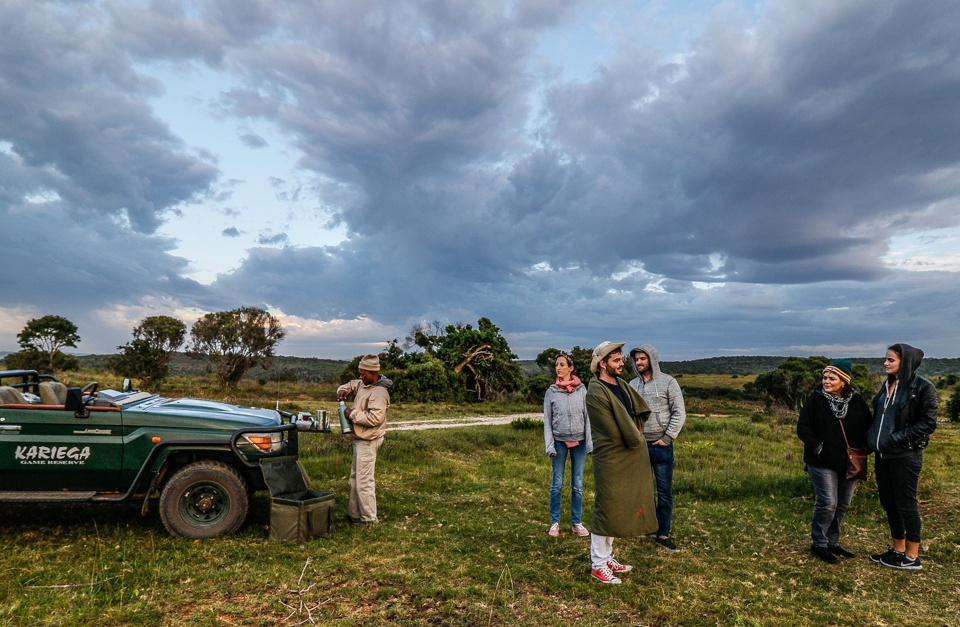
(363, 489)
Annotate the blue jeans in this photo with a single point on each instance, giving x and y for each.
(661, 461)
(834, 492)
(578, 457)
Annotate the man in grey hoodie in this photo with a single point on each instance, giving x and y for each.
(662, 393)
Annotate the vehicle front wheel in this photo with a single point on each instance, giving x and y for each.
(204, 500)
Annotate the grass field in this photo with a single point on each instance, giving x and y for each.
(463, 542)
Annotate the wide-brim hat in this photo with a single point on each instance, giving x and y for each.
(601, 351)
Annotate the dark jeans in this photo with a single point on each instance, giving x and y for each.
(897, 481)
(661, 461)
(834, 492)
(578, 456)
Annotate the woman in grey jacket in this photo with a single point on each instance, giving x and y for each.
(566, 432)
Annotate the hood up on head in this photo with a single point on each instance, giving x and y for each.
(910, 358)
(651, 353)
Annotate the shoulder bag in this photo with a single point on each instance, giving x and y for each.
(856, 459)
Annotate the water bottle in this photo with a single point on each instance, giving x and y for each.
(345, 425)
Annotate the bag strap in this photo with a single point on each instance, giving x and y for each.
(844, 432)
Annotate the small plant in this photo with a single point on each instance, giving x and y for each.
(758, 417)
(523, 424)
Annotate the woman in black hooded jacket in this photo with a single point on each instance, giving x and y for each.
(904, 416)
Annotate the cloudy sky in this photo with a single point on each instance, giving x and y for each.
(713, 177)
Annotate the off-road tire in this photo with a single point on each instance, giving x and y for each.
(204, 500)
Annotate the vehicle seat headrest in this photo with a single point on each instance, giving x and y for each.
(53, 393)
(11, 396)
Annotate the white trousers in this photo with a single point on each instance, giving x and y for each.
(363, 488)
(601, 550)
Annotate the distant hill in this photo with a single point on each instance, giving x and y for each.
(307, 369)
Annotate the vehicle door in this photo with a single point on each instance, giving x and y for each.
(46, 448)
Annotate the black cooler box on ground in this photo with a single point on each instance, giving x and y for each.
(297, 513)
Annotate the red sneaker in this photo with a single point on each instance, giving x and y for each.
(554, 530)
(604, 575)
(617, 567)
(580, 530)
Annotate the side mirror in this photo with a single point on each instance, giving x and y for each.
(127, 386)
(74, 403)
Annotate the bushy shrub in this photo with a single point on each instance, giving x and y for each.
(524, 424)
(953, 406)
(535, 388)
(30, 359)
(427, 381)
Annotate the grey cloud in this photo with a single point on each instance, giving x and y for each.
(230, 232)
(252, 140)
(266, 238)
(99, 266)
(74, 109)
(794, 152)
(788, 153)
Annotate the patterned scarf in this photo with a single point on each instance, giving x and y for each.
(838, 406)
(568, 386)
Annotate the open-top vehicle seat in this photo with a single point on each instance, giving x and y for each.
(11, 396)
(53, 393)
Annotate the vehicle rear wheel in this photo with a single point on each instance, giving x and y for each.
(204, 500)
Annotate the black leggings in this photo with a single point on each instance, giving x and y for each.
(897, 481)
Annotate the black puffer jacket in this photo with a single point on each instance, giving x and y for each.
(818, 425)
(915, 415)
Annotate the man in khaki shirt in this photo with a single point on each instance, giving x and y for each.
(369, 417)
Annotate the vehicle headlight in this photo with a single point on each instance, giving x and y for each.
(266, 442)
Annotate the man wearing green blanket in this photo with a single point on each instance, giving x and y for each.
(623, 480)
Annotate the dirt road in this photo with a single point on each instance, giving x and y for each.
(449, 423)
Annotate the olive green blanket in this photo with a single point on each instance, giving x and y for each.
(624, 506)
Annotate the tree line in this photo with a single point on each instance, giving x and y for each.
(451, 363)
(232, 341)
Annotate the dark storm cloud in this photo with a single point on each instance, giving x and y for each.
(74, 110)
(788, 153)
(791, 152)
(783, 153)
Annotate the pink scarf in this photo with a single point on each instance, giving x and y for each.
(569, 386)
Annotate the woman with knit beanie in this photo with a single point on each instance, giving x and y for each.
(833, 418)
(566, 431)
(905, 414)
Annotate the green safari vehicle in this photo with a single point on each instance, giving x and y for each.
(60, 444)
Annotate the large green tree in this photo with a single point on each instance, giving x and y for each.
(235, 341)
(155, 340)
(482, 356)
(41, 341)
